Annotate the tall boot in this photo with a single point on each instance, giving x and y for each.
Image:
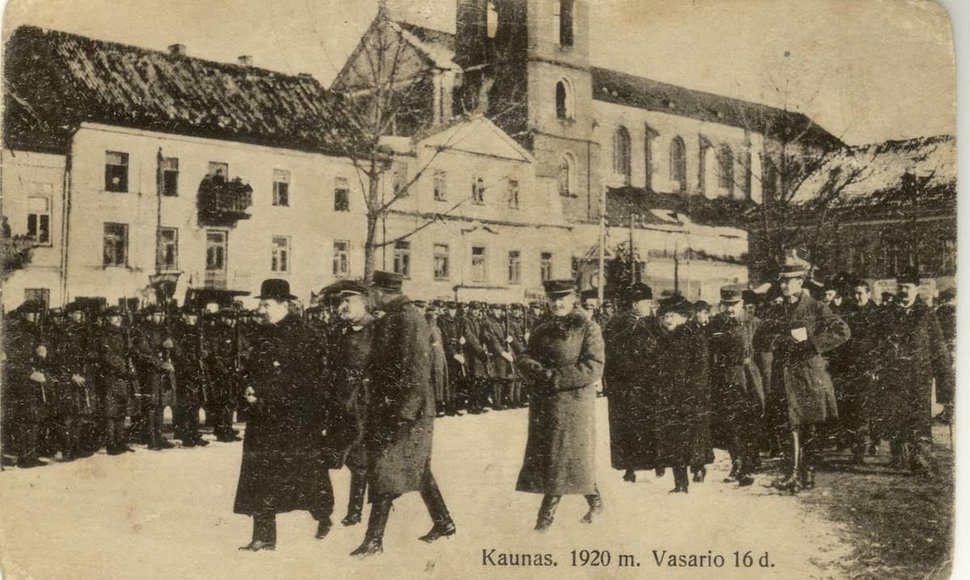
(547, 512)
(497, 402)
(681, 480)
(373, 542)
(355, 504)
(264, 534)
(444, 526)
(595, 502)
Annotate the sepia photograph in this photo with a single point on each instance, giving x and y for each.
(478, 289)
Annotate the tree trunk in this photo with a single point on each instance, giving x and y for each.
(370, 243)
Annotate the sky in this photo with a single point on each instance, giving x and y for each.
(866, 70)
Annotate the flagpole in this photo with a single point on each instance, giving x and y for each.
(601, 286)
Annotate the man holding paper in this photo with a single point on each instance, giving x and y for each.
(802, 330)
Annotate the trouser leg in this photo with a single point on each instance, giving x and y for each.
(547, 511)
(355, 503)
(434, 501)
(264, 528)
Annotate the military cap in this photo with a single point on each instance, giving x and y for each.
(388, 281)
(73, 307)
(451, 304)
(732, 294)
(438, 303)
(701, 305)
(346, 288)
(186, 309)
(793, 267)
(152, 309)
(639, 291)
(420, 303)
(112, 311)
(56, 311)
(749, 296)
(474, 304)
(555, 288)
(677, 304)
(31, 307)
(908, 277)
(275, 289)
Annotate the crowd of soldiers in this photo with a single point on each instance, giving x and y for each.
(788, 372)
(80, 378)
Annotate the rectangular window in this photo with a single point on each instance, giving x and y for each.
(281, 254)
(215, 251)
(402, 258)
(442, 265)
(400, 179)
(39, 295)
(116, 171)
(169, 167)
(281, 187)
(219, 168)
(341, 258)
(513, 194)
(479, 264)
(478, 191)
(545, 266)
(115, 244)
(167, 254)
(515, 267)
(39, 219)
(440, 185)
(341, 195)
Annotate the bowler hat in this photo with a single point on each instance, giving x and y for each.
(388, 281)
(275, 289)
(639, 291)
(555, 288)
(731, 294)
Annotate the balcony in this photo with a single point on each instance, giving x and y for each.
(223, 203)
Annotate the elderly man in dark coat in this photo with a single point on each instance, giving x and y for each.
(400, 414)
(737, 393)
(282, 468)
(631, 358)
(916, 356)
(561, 365)
(350, 354)
(802, 330)
(683, 427)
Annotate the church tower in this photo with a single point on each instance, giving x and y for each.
(526, 66)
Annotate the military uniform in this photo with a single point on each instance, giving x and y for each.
(192, 381)
(476, 358)
(154, 351)
(450, 328)
(26, 372)
(115, 377)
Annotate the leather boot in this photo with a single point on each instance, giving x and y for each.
(595, 502)
(264, 534)
(355, 505)
(735, 470)
(680, 480)
(497, 402)
(630, 475)
(373, 542)
(699, 474)
(547, 512)
(444, 526)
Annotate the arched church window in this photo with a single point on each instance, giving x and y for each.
(621, 153)
(678, 163)
(725, 167)
(491, 20)
(562, 20)
(564, 104)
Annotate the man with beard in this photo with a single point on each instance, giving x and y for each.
(350, 354)
(916, 356)
(737, 394)
(561, 365)
(801, 329)
(683, 394)
(282, 469)
(631, 358)
(400, 415)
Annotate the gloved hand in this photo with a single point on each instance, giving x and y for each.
(78, 380)
(41, 351)
(167, 343)
(460, 358)
(168, 367)
(508, 356)
(38, 377)
(250, 395)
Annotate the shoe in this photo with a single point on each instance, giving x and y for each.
(127, 449)
(201, 442)
(188, 443)
(547, 512)
(630, 476)
(369, 547)
(700, 474)
(440, 414)
(323, 528)
(745, 480)
(442, 530)
(115, 451)
(595, 509)
(808, 479)
(351, 520)
(788, 483)
(678, 489)
(660, 471)
(257, 545)
(29, 463)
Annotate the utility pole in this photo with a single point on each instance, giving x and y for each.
(601, 286)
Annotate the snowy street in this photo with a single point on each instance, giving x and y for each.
(169, 515)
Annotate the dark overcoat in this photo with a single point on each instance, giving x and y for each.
(495, 339)
(683, 416)
(72, 355)
(20, 341)
(629, 374)
(282, 469)
(401, 407)
(737, 391)
(350, 353)
(916, 355)
(115, 375)
(561, 364)
(439, 363)
(798, 368)
(476, 355)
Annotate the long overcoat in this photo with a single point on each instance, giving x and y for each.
(439, 363)
(683, 416)
(561, 364)
(629, 374)
(798, 367)
(401, 407)
(282, 469)
(737, 391)
(916, 355)
(350, 354)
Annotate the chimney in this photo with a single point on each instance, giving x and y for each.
(246, 60)
(176, 49)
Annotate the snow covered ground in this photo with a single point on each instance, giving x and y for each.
(169, 515)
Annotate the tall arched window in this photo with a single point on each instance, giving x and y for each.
(648, 137)
(621, 153)
(725, 167)
(566, 176)
(563, 21)
(678, 164)
(746, 179)
(562, 101)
